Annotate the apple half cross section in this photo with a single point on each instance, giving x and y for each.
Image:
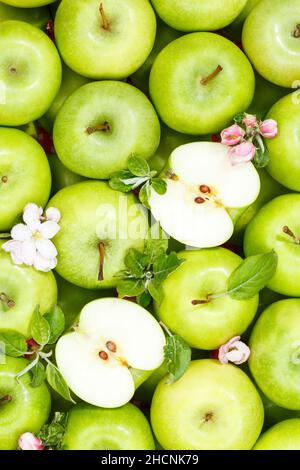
(202, 186)
(113, 335)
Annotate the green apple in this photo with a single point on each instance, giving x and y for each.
(271, 40)
(284, 149)
(192, 15)
(37, 17)
(113, 336)
(22, 288)
(109, 39)
(275, 350)
(204, 326)
(23, 408)
(266, 94)
(61, 175)
(205, 194)
(199, 82)
(276, 226)
(24, 175)
(28, 3)
(213, 406)
(30, 73)
(274, 413)
(98, 227)
(282, 436)
(71, 81)
(91, 428)
(101, 124)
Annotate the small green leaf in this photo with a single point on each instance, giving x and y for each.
(118, 185)
(4, 235)
(157, 246)
(238, 118)
(56, 321)
(130, 287)
(39, 328)
(38, 375)
(52, 434)
(261, 159)
(138, 166)
(134, 261)
(165, 265)
(155, 291)
(144, 194)
(178, 356)
(14, 343)
(159, 185)
(57, 382)
(144, 299)
(252, 275)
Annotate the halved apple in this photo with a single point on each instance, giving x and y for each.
(112, 336)
(203, 190)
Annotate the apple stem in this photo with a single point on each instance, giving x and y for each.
(291, 234)
(10, 303)
(297, 31)
(201, 302)
(100, 127)
(206, 80)
(5, 399)
(105, 23)
(101, 248)
(209, 297)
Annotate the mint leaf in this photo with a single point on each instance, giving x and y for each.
(144, 194)
(159, 185)
(144, 299)
(155, 248)
(178, 356)
(52, 434)
(135, 262)
(155, 291)
(14, 344)
(38, 375)
(57, 382)
(138, 166)
(118, 185)
(39, 328)
(165, 265)
(56, 322)
(130, 287)
(252, 275)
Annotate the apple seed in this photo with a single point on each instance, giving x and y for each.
(103, 355)
(111, 346)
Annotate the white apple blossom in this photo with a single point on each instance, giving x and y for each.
(31, 241)
(234, 351)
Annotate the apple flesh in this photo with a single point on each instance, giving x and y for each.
(101, 124)
(91, 428)
(282, 436)
(37, 17)
(23, 408)
(212, 407)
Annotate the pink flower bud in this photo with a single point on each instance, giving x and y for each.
(268, 128)
(232, 135)
(250, 120)
(242, 153)
(234, 351)
(29, 441)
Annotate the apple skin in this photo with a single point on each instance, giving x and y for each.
(284, 149)
(37, 17)
(282, 436)
(134, 128)
(90, 50)
(61, 175)
(146, 390)
(182, 101)
(28, 3)
(265, 232)
(207, 388)
(265, 96)
(274, 345)
(18, 187)
(210, 325)
(29, 62)
(192, 15)
(29, 408)
(269, 42)
(275, 414)
(92, 428)
(235, 28)
(95, 206)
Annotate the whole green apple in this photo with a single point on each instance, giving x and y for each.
(275, 350)
(22, 288)
(101, 124)
(28, 3)
(266, 94)
(284, 149)
(61, 175)
(37, 17)
(109, 39)
(271, 40)
(30, 73)
(24, 175)
(192, 15)
(276, 226)
(23, 408)
(213, 406)
(282, 436)
(98, 227)
(92, 428)
(199, 82)
(208, 325)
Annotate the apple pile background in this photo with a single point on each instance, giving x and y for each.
(55, 88)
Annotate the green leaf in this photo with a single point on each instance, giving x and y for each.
(56, 321)
(178, 356)
(38, 375)
(57, 382)
(4, 235)
(144, 194)
(159, 185)
(138, 166)
(118, 185)
(130, 287)
(134, 261)
(39, 328)
(155, 247)
(14, 343)
(144, 299)
(52, 434)
(261, 159)
(252, 275)
(155, 291)
(165, 265)
(238, 118)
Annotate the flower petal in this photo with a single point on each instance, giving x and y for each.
(31, 215)
(43, 264)
(46, 248)
(21, 232)
(28, 252)
(49, 229)
(53, 214)
(14, 248)
(29, 441)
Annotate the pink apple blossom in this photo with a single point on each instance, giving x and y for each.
(268, 128)
(250, 120)
(244, 152)
(232, 135)
(29, 441)
(234, 351)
